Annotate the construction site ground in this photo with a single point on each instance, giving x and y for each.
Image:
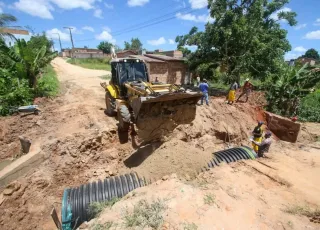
(80, 144)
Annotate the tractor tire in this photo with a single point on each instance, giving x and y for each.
(124, 118)
(110, 105)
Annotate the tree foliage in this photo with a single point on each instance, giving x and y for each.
(245, 37)
(312, 53)
(134, 45)
(105, 47)
(310, 107)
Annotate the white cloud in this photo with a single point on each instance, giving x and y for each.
(198, 4)
(317, 22)
(1, 6)
(44, 8)
(300, 49)
(171, 41)
(35, 8)
(108, 6)
(73, 4)
(301, 26)
(288, 56)
(89, 28)
(106, 28)
(98, 13)
(195, 18)
(133, 3)
(275, 17)
(313, 35)
(157, 42)
(105, 36)
(53, 33)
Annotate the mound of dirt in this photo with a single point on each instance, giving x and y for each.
(174, 156)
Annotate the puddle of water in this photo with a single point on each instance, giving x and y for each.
(5, 163)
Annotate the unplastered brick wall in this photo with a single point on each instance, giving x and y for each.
(158, 70)
(177, 72)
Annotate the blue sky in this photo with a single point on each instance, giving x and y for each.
(120, 20)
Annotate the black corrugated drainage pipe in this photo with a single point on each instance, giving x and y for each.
(75, 201)
(231, 155)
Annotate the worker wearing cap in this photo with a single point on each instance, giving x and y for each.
(264, 146)
(204, 87)
(246, 90)
(257, 136)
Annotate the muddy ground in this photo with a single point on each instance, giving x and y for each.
(81, 144)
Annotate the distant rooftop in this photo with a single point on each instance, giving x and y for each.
(146, 58)
(163, 57)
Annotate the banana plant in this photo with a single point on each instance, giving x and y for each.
(28, 63)
(287, 88)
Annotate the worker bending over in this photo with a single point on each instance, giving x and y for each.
(246, 90)
(264, 146)
(257, 136)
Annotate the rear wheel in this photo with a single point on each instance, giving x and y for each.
(110, 105)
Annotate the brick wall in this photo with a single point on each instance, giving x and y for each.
(168, 72)
(177, 72)
(159, 70)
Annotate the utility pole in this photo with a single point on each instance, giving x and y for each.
(59, 41)
(52, 42)
(70, 28)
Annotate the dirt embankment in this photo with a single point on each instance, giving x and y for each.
(80, 144)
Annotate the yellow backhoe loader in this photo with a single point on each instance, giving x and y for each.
(155, 108)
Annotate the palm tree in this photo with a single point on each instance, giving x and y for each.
(5, 20)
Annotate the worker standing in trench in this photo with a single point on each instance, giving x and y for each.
(257, 136)
(264, 146)
(204, 87)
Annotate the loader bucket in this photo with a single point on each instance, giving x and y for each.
(157, 116)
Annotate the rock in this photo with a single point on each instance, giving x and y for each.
(283, 128)
(84, 225)
(11, 188)
(165, 178)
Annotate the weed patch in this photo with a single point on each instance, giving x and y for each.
(146, 215)
(96, 208)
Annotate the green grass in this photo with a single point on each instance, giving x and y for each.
(48, 83)
(146, 215)
(91, 63)
(96, 208)
(105, 226)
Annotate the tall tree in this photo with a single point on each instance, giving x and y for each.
(36, 42)
(134, 45)
(245, 37)
(312, 53)
(5, 20)
(105, 47)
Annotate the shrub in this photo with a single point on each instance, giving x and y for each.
(48, 84)
(309, 109)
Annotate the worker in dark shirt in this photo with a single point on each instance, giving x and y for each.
(257, 135)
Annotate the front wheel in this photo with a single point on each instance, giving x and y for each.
(110, 105)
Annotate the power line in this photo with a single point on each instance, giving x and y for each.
(141, 27)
